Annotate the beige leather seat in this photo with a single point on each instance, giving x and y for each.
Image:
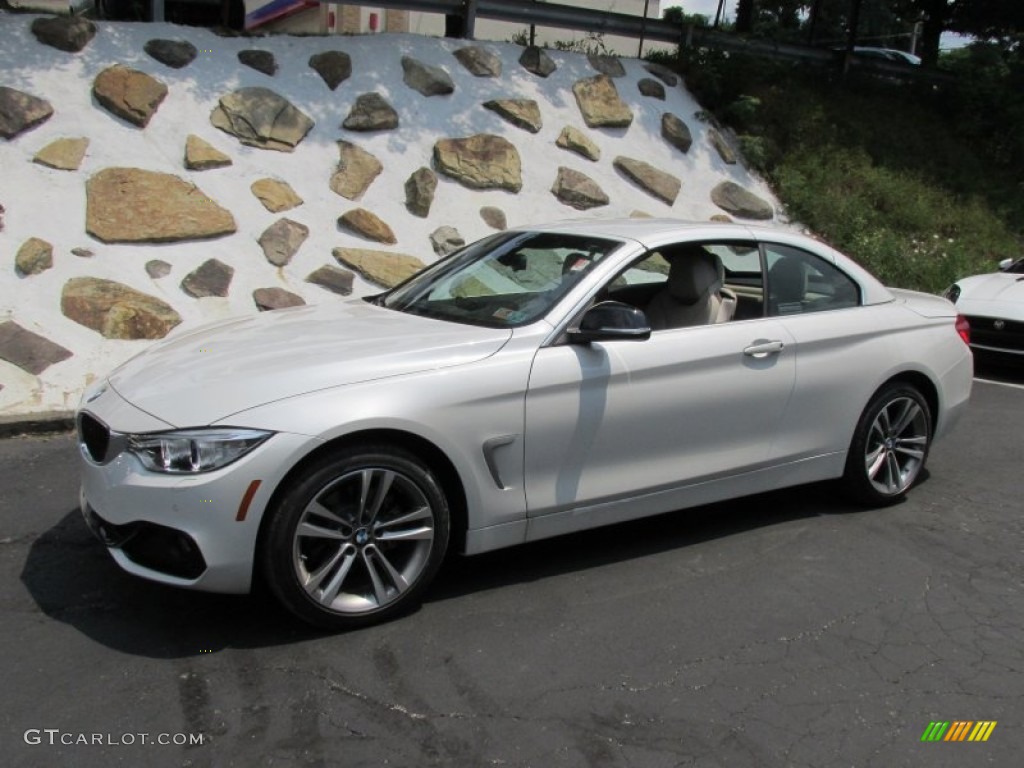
(693, 294)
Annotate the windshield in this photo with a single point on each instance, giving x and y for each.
(502, 281)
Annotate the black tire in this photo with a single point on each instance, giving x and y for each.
(356, 538)
(889, 447)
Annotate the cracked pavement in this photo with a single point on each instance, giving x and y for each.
(787, 629)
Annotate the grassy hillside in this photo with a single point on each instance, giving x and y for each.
(921, 184)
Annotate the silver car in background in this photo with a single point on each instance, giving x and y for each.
(538, 382)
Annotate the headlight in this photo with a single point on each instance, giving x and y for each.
(194, 450)
(952, 293)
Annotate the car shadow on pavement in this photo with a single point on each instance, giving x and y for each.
(73, 580)
(636, 539)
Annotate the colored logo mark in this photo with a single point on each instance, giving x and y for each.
(959, 730)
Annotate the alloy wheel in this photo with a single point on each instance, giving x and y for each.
(363, 541)
(896, 445)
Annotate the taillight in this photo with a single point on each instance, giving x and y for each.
(963, 328)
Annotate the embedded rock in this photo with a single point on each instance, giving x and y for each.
(607, 65)
(661, 185)
(725, 151)
(275, 298)
(157, 268)
(494, 217)
(429, 81)
(445, 240)
(259, 117)
(522, 113)
(131, 95)
(82, 253)
(578, 190)
(34, 256)
(355, 172)
(600, 104)
(62, 154)
(129, 205)
(275, 195)
(537, 61)
(576, 141)
(335, 67)
(419, 192)
(483, 161)
(371, 112)
(115, 310)
(200, 155)
(676, 132)
(384, 268)
(721, 218)
(20, 111)
(211, 278)
(172, 53)
(261, 61)
(66, 33)
(480, 61)
(29, 351)
(640, 215)
(282, 240)
(731, 197)
(332, 278)
(663, 73)
(368, 225)
(651, 88)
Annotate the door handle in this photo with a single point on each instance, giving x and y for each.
(764, 348)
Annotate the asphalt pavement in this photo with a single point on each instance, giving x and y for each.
(787, 629)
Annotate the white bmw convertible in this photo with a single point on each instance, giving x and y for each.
(538, 382)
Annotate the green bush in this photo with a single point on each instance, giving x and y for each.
(877, 168)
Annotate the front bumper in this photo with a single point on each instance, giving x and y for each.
(196, 531)
(153, 547)
(997, 336)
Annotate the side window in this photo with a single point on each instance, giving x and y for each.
(686, 284)
(743, 276)
(800, 282)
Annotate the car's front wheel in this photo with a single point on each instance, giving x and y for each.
(890, 445)
(356, 537)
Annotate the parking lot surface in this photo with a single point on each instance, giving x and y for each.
(787, 629)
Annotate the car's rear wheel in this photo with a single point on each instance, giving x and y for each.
(356, 537)
(890, 445)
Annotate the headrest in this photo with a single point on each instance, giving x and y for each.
(693, 274)
(787, 279)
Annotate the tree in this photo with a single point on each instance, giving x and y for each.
(879, 24)
(745, 16)
(986, 19)
(677, 15)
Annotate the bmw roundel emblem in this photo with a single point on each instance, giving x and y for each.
(999, 325)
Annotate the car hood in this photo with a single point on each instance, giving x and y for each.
(1001, 286)
(199, 377)
(996, 295)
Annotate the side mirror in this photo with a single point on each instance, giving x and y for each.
(1005, 264)
(611, 321)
